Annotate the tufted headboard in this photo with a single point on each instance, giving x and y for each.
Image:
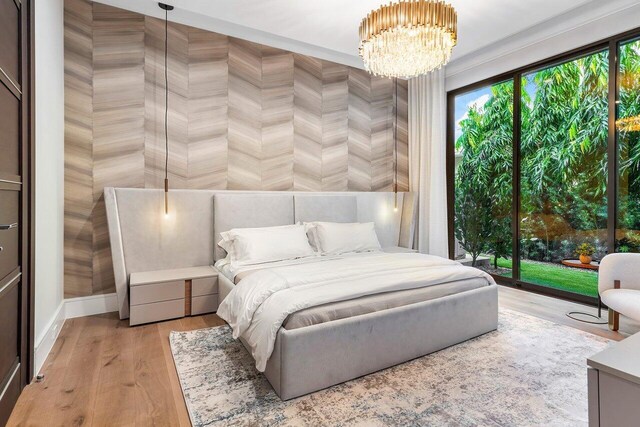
(143, 239)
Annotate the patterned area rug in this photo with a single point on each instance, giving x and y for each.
(530, 372)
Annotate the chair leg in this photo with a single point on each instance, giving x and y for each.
(614, 320)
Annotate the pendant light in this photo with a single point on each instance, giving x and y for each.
(166, 9)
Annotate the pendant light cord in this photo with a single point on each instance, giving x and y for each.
(395, 137)
(166, 97)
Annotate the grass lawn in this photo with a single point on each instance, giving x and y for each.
(547, 274)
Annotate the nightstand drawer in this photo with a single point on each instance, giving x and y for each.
(204, 286)
(155, 312)
(154, 292)
(204, 304)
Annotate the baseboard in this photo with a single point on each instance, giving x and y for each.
(45, 344)
(88, 306)
(68, 309)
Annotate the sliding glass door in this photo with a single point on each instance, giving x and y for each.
(483, 177)
(544, 169)
(628, 134)
(563, 172)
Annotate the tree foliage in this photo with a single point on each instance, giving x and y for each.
(629, 148)
(563, 152)
(483, 178)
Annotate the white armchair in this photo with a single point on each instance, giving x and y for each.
(619, 286)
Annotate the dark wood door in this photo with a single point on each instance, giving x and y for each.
(15, 158)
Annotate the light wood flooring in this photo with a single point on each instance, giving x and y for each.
(101, 372)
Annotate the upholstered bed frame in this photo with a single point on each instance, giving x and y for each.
(314, 357)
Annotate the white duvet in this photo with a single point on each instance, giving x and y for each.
(259, 304)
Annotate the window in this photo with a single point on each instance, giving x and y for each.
(628, 134)
(526, 198)
(563, 171)
(483, 177)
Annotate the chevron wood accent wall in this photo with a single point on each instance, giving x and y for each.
(78, 148)
(277, 119)
(307, 123)
(118, 120)
(241, 116)
(335, 127)
(245, 113)
(403, 136)
(208, 110)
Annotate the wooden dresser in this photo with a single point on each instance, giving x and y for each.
(168, 294)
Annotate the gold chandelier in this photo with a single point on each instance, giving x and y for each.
(408, 38)
(629, 124)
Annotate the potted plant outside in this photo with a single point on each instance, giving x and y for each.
(585, 251)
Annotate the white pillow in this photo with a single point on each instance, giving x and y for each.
(331, 238)
(247, 246)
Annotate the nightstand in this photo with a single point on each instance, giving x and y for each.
(613, 379)
(168, 294)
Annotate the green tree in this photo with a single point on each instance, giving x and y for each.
(563, 151)
(473, 222)
(483, 179)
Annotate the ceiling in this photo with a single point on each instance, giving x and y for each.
(330, 26)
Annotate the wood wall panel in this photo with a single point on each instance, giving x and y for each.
(381, 122)
(307, 123)
(403, 135)
(245, 115)
(277, 119)
(178, 105)
(118, 120)
(241, 116)
(78, 150)
(335, 127)
(208, 76)
(359, 145)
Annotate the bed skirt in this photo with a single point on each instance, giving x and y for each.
(314, 357)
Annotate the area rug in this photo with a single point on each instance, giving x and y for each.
(530, 372)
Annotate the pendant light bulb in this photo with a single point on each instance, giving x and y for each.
(166, 197)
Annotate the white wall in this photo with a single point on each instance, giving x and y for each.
(574, 29)
(49, 204)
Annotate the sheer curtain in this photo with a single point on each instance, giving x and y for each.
(427, 160)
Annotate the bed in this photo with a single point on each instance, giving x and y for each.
(317, 347)
(354, 306)
(322, 346)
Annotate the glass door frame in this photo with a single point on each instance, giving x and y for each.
(614, 147)
(611, 44)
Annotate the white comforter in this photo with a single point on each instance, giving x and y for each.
(259, 304)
